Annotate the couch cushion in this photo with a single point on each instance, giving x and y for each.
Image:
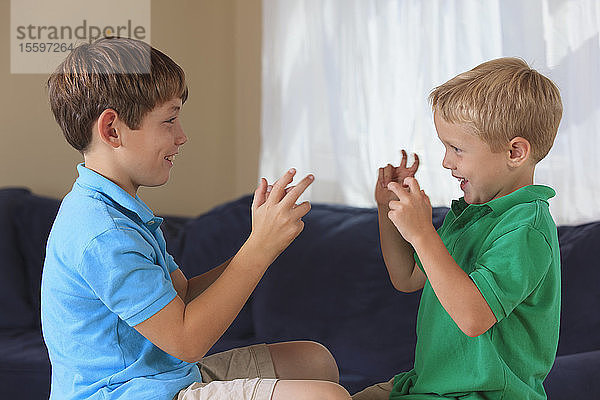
(15, 286)
(34, 217)
(580, 318)
(24, 366)
(574, 376)
(25, 222)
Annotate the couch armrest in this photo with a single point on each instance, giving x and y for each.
(575, 376)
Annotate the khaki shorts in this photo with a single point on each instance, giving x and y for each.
(246, 373)
(379, 391)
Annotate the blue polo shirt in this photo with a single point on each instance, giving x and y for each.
(107, 270)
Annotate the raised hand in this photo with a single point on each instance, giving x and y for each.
(411, 212)
(389, 174)
(276, 218)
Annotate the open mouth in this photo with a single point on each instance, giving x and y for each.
(463, 182)
(170, 158)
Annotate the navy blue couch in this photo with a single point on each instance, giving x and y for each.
(330, 286)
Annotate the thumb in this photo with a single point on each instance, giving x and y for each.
(260, 194)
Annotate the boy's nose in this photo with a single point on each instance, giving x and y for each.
(446, 162)
(181, 138)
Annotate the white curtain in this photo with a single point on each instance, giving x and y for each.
(345, 86)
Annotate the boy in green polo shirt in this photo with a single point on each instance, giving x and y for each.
(488, 321)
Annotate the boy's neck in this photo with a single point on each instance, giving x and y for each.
(522, 177)
(99, 165)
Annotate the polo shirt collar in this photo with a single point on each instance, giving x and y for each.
(92, 180)
(525, 194)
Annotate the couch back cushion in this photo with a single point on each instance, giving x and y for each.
(25, 222)
(15, 302)
(580, 263)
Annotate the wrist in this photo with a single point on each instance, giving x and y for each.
(258, 254)
(424, 239)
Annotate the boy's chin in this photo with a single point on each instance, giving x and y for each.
(156, 182)
(469, 199)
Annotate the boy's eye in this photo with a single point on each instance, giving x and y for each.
(172, 120)
(456, 149)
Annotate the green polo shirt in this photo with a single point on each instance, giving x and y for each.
(509, 248)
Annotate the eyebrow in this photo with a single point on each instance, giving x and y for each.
(175, 108)
(453, 144)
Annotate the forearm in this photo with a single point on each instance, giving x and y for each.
(198, 284)
(455, 290)
(209, 314)
(397, 252)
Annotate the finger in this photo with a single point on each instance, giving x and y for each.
(299, 227)
(287, 189)
(388, 172)
(404, 159)
(380, 178)
(300, 210)
(397, 189)
(260, 194)
(415, 166)
(268, 191)
(394, 204)
(290, 198)
(390, 215)
(278, 190)
(413, 184)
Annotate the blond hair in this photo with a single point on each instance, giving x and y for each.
(126, 75)
(503, 99)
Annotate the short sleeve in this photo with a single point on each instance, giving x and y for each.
(171, 264)
(511, 268)
(119, 266)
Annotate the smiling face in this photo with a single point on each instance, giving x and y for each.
(484, 175)
(145, 155)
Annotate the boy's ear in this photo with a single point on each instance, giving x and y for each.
(107, 128)
(519, 151)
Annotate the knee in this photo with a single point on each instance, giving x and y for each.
(303, 360)
(332, 391)
(323, 361)
(309, 390)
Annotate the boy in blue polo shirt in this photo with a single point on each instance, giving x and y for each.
(119, 318)
(487, 326)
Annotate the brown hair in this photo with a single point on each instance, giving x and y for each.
(502, 99)
(126, 75)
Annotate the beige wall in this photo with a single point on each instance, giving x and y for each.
(218, 44)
